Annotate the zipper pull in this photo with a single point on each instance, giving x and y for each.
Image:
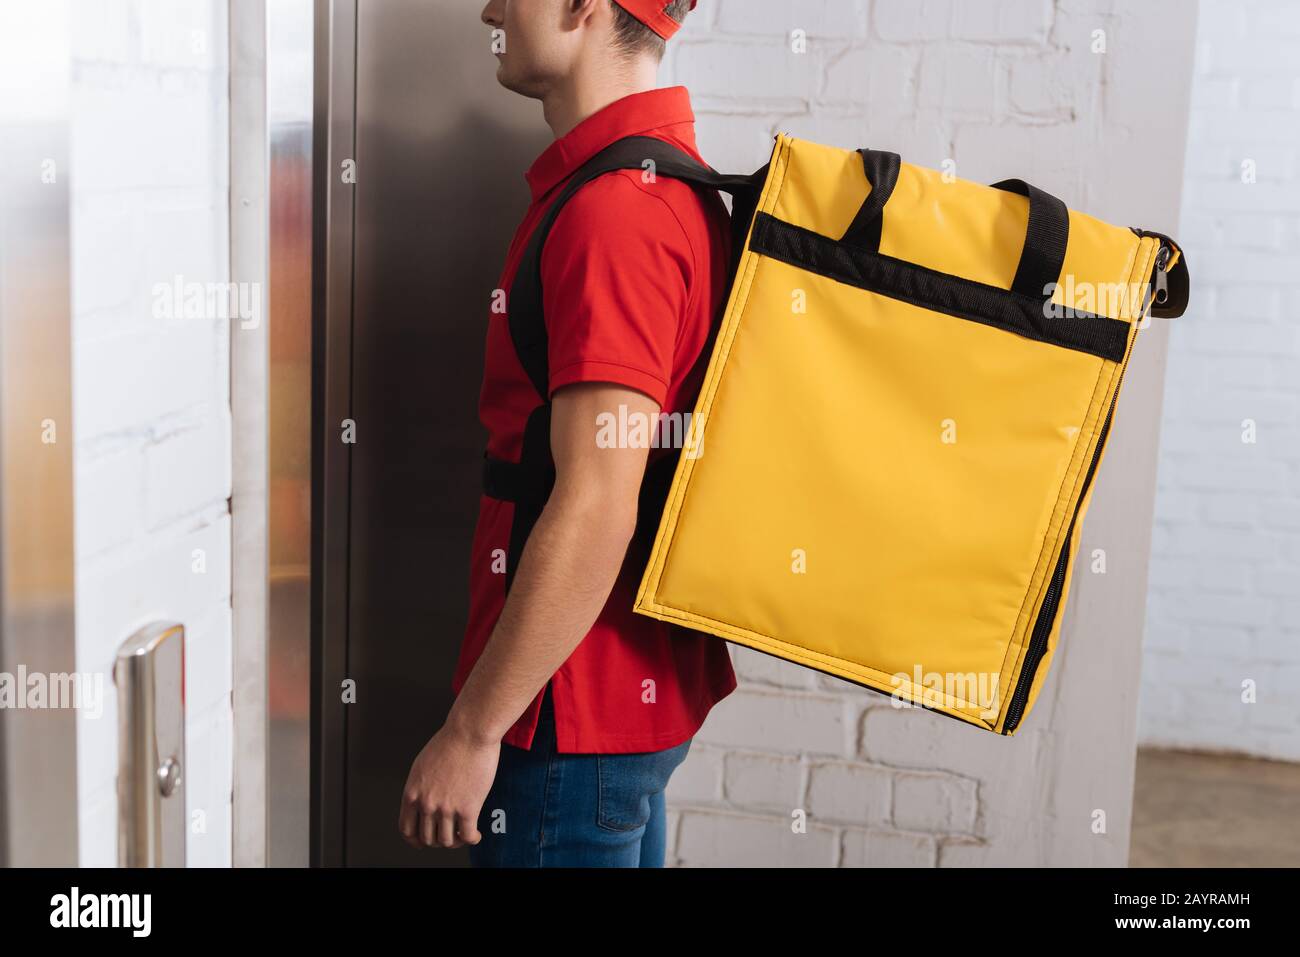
(1162, 277)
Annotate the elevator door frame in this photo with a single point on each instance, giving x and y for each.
(408, 245)
(334, 140)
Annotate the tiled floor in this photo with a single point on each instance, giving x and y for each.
(1198, 810)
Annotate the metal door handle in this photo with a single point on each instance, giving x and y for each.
(150, 678)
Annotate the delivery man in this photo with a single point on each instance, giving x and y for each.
(571, 712)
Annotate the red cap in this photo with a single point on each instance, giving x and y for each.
(651, 13)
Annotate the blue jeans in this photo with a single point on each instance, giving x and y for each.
(547, 809)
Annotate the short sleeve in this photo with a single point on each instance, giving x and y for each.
(616, 281)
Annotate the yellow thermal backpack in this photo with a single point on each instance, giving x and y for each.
(904, 410)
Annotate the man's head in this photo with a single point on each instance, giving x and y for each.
(546, 42)
(643, 28)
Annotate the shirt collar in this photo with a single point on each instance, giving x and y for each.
(634, 114)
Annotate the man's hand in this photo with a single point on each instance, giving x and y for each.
(449, 781)
(564, 578)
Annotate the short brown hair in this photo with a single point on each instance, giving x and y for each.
(632, 37)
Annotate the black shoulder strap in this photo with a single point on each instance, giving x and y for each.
(528, 482)
(524, 306)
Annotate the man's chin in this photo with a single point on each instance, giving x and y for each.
(515, 84)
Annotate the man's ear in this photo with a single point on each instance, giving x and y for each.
(580, 11)
(589, 5)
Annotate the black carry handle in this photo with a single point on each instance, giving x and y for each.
(882, 169)
(1047, 234)
(1046, 237)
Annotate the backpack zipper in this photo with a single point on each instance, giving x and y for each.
(1047, 613)
(1161, 276)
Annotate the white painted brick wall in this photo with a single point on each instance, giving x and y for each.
(151, 394)
(1004, 88)
(1224, 602)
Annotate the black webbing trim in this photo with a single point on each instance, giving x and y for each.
(963, 298)
(1046, 237)
(882, 169)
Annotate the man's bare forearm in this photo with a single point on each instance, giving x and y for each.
(564, 578)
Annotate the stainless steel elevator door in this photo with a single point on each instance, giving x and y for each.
(440, 153)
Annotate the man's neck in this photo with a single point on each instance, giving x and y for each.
(587, 92)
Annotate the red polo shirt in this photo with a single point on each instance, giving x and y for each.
(632, 275)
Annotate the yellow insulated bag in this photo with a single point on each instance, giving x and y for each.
(897, 438)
